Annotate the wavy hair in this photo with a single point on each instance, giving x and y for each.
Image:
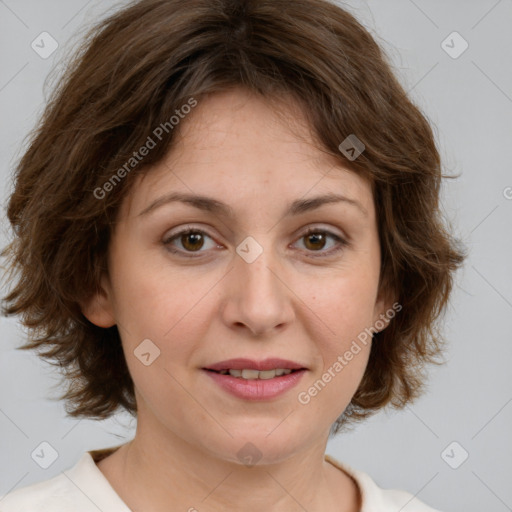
(133, 70)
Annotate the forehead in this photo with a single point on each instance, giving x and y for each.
(237, 147)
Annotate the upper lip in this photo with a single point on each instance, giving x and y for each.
(250, 364)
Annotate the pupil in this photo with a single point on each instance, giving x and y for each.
(316, 237)
(196, 239)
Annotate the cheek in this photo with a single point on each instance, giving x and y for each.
(344, 304)
(345, 308)
(168, 308)
(154, 298)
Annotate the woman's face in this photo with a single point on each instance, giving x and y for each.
(246, 282)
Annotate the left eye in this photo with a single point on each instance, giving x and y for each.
(315, 237)
(193, 240)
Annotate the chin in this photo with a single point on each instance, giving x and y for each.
(261, 443)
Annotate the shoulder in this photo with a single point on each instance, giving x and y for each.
(53, 495)
(376, 499)
(81, 488)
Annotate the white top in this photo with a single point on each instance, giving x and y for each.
(84, 488)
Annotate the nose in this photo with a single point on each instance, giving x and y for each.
(256, 296)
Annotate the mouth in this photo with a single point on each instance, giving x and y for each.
(249, 374)
(256, 380)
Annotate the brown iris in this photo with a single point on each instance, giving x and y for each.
(192, 241)
(315, 238)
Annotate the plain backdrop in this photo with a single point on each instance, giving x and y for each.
(452, 448)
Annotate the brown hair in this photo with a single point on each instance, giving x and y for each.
(133, 71)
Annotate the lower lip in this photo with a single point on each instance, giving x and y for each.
(256, 389)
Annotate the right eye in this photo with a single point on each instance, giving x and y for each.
(192, 240)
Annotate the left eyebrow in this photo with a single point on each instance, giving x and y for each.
(209, 204)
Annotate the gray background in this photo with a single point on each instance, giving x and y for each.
(469, 100)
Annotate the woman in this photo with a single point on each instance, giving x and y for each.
(227, 224)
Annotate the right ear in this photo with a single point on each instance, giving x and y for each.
(98, 308)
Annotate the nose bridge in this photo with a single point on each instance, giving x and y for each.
(258, 297)
(254, 263)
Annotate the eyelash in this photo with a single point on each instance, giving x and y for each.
(190, 254)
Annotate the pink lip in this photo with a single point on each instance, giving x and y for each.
(256, 389)
(249, 364)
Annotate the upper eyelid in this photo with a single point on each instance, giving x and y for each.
(305, 231)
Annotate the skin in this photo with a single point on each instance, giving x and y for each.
(288, 303)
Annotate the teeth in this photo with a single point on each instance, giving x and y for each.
(250, 374)
(268, 374)
(255, 374)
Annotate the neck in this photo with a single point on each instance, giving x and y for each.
(156, 472)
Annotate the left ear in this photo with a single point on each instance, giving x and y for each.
(385, 308)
